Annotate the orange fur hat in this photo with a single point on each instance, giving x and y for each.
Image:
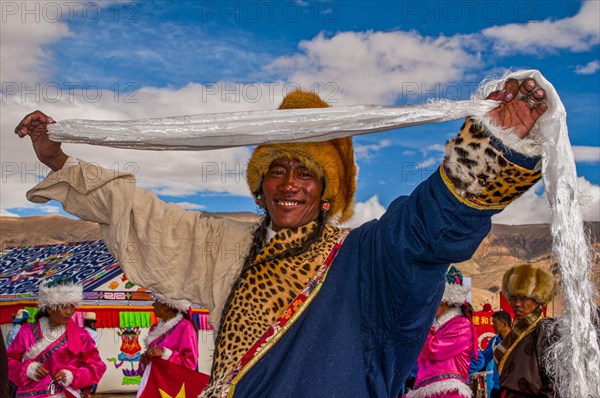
(332, 161)
(528, 281)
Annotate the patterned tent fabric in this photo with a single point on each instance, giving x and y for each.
(116, 301)
(22, 269)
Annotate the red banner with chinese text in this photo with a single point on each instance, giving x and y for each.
(483, 327)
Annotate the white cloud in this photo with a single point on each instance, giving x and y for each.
(27, 29)
(586, 154)
(6, 213)
(168, 172)
(24, 57)
(578, 33)
(370, 151)
(589, 200)
(588, 69)
(26, 60)
(190, 206)
(434, 148)
(374, 67)
(533, 208)
(528, 209)
(426, 163)
(365, 211)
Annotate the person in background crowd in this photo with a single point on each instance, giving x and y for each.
(19, 319)
(519, 356)
(89, 323)
(174, 338)
(444, 361)
(54, 354)
(301, 306)
(501, 322)
(4, 383)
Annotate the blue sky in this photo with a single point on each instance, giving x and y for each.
(125, 60)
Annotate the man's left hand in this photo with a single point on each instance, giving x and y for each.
(520, 106)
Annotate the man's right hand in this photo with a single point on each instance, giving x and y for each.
(48, 152)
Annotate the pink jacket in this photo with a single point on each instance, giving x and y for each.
(178, 338)
(444, 361)
(72, 350)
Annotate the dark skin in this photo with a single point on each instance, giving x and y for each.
(165, 313)
(513, 112)
(292, 195)
(500, 327)
(56, 316)
(523, 306)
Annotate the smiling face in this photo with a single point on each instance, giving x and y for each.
(292, 194)
(60, 315)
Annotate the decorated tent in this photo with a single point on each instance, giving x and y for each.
(123, 310)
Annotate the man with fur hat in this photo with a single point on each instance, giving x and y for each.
(54, 357)
(520, 355)
(302, 307)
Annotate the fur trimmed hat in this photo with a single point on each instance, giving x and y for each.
(179, 305)
(332, 161)
(455, 293)
(59, 291)
(525, 280)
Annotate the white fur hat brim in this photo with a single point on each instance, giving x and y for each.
(179, 305)
(57, 295)
(455, 294)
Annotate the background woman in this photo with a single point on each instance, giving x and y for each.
(174, 338)
(444, 361)
(54, 353)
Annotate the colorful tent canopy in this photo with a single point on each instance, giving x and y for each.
(116, 301)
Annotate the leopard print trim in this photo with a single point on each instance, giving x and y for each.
(268, 288)
(478, 174)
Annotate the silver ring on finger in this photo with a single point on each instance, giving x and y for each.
(532, 101)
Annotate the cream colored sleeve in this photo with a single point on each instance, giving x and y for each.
(160, 246)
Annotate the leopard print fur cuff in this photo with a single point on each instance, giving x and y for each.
(479, 174)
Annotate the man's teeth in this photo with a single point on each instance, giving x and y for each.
(288, 203)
